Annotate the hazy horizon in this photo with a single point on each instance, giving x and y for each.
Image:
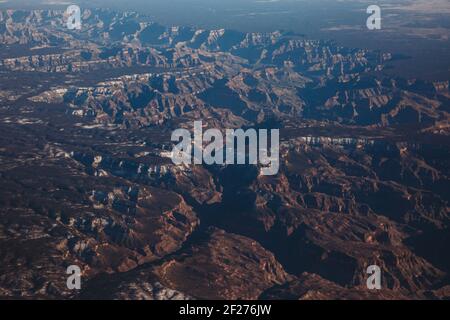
(417, 29)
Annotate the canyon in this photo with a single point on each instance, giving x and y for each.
(86, 179)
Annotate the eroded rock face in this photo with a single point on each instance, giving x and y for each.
(133, 285)
(329, 213)
(313, 287)
(223, 266)
(64, 217)
(215, 265)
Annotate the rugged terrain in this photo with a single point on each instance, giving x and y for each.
(85, 123)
